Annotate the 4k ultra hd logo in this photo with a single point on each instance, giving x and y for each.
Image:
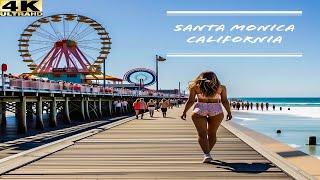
(21, 8)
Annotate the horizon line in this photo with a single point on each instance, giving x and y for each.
(234, 13)
(282, 55)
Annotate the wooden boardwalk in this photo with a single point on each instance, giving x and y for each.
(153, 148)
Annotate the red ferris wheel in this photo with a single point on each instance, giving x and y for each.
(65, 43)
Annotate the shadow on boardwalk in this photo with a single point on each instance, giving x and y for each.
(243, 167)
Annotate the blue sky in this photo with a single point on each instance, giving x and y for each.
(140, 29)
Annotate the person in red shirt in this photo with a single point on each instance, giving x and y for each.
(137, 107)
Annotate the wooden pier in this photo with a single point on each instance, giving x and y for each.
(152, 148)
(68, 106)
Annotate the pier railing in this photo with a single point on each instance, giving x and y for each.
(40, 85)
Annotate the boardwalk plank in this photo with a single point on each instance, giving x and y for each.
(151, 149)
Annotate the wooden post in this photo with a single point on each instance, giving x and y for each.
(82, 109)
(100, 108)
(66, 116)
(87, 112)
(110, 107)
(21, 109)
(53, 113)
(3, 118)
(39, 114)
(29, 111)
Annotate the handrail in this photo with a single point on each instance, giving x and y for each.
(53, 86)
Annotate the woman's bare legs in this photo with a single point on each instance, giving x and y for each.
(137, 113)
(200, 122)
(213, 125)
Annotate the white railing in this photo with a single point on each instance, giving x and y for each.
(66, 87)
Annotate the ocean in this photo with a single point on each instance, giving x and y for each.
(296, 124)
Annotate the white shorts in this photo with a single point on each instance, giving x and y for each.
(151, 108)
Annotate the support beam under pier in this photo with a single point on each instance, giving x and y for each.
(39, 114)
(53, 113)
(3, 118)
(66, 115)
(21, 115)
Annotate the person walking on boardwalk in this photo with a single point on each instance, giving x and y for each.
(143, 107)
(267, 106)
(137, 106)
(251, 105)
(164, 104)
(151, 107)
(257, 106)
(207, 113)
(262, 105)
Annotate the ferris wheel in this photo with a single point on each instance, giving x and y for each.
(138, 76)
(67, 43)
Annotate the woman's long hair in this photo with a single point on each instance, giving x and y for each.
(208, 83)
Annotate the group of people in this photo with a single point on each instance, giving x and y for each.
(120, 107)
(140, 107)
(249, 106)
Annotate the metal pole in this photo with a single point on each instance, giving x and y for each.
(104, 75)
(179, 90)
(140, 84)
(157, 74)
(2, 79)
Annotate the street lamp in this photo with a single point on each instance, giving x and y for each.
(104, 75)
(158, 58)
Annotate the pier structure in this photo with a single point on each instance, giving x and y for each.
(84, 103)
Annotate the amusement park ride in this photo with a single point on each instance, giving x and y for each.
(67, 47)
(141, 77)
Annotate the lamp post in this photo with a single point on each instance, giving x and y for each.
(158, 58)
(4, 68)
(104, 75)
(179, 93)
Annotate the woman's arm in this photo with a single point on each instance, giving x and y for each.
(225, 102)
(189, 103)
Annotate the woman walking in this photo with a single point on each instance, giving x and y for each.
(143, 107)
(137, 106)
(151, 107)
(207, 113)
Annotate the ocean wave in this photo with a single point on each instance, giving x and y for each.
(294, 145)
(246, 119)
(306, 103)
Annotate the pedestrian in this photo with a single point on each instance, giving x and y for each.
(208, 112)
(151, 107)
(164, 104)
(262, 106)
(238, 105)
(124, 106)
(251, 105)
(143, 107)
(257, 106)
(267, 106)
(118, 108)
(274, 107)
(136, 106)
